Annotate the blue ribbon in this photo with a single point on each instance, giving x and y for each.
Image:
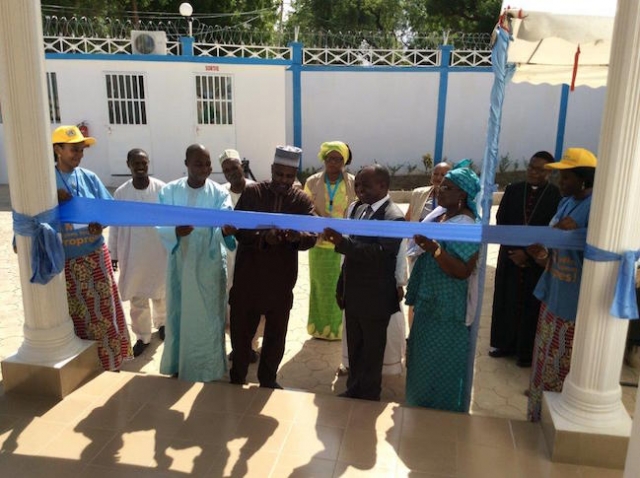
(129, 213)
(624, 304)
(47, 253)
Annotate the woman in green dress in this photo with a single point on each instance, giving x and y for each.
(332, 191)
(438, 346)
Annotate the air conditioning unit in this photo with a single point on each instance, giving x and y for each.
(148, 43)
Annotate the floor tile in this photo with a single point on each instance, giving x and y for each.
(477, 461)
(29, 436)
(494, 432)
(136, 449)
(429, 456)
(208, 427)
(73, 445)
(302, 466)
(240, 463)
(364, 448)
(345, 470)
(592, 472)
(259, 432)
(425, 423)
(278, 404)
(225, 398)
(317, 441)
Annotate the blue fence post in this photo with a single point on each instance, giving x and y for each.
(296, 71)
(445, 60)
(562, 121)
(186, 46)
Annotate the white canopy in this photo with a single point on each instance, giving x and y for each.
(547, 35)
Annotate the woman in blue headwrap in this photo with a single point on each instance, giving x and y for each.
(438, 346)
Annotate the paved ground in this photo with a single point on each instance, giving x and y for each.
(308, 364)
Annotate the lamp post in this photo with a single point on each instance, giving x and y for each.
(186, 10)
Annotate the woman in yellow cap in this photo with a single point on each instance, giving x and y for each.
(559, 285)
(332, 191)
(92, 293)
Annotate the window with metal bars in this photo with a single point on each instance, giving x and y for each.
(214, 97)
(126, 98)
(52, 94)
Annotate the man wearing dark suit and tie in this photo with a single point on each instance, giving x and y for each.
(366, 288)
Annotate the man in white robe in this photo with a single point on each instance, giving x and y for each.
(140, 255)
(194, 347)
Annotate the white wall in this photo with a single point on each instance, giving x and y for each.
(387, 116)
(259, 114)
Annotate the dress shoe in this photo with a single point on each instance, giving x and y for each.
(523, 363)
(161, 332)
(254, 356)
(497, 353)
(273, 385)
(139, 347)
(345, 394)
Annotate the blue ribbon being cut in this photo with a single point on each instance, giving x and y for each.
(624, 304)
(129, 213)
(47, 253)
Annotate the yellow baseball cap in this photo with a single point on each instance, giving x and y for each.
(574, 158)
(70, 134)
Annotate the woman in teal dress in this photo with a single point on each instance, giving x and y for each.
(438, 346)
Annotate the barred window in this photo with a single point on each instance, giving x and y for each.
(126, 99)
(214, 96)
(52, 94)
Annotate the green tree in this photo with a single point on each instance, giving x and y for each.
(469, 16)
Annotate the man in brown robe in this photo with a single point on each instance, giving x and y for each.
(266, 269)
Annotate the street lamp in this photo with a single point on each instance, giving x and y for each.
(186, 10)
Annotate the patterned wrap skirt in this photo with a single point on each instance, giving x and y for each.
(325, 317)
(551, 358)
(95, 306)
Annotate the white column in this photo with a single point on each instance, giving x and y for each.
(591, 397)
(48, 329)
(632, 466)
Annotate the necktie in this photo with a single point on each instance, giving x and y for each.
(368, 212)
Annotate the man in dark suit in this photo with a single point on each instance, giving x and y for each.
(515, 309)
(366, 288)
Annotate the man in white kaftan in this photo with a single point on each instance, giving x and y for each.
(140, 256)
(194, 347)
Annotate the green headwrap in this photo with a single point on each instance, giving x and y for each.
(338, 146)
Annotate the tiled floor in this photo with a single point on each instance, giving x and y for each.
(130, 425)
(126, 424)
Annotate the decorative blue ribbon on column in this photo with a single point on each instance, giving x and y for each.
(624, 304)
(47, 253)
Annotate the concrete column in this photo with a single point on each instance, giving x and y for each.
(590, 402)
(48, 330)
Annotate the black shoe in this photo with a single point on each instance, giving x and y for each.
(255, 355)
(497, 353)
(523, 363)
(139, 347)
(345, 394)
(273, 385)
(161, 332)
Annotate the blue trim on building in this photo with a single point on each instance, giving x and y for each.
(186, 46)
(445, 59)
(166, 58)
(562, 121)
(296, 86)
(396, 69)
